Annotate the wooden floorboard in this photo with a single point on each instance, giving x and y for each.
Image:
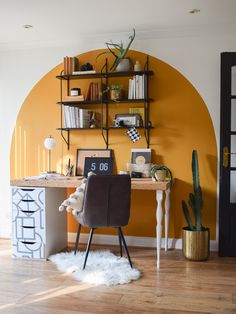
(180, 286)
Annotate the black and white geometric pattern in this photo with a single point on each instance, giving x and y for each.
(28, 222)
(133, 134)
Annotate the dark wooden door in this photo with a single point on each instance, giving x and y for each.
(227, 209)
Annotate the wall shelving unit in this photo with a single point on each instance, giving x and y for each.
(104, 102)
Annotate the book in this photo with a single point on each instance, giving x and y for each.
(93, 91)
(84, 72)
(136, 87)
(84, 118)
(74, 98)
(65, 65)
(71, 64)
(66, 117)
(141, 156)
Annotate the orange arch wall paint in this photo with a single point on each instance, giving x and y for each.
(181, 123)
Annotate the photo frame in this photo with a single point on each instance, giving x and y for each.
(128, 120)
(141, 156)
(81, 154)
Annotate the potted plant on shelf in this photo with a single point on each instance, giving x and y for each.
(115, 91)
(195, 237)
(161, 173)
(121, 62)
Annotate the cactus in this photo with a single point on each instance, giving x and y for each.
(195, 199)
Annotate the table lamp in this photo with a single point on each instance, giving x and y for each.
(49, 143)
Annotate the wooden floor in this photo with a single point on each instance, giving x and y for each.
(180, 286)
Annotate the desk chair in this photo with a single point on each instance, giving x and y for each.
(106, 204)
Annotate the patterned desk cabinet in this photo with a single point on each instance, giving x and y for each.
(38, 228)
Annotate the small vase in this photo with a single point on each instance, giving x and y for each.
(124, 65)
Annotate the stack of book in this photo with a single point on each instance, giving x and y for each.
(71, 64)
(75, 117)
(93, 92)
(136, 87)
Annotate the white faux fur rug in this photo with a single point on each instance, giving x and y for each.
(102, 268)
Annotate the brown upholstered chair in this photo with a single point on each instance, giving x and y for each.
(106, 204)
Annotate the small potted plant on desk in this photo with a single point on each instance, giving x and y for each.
(195, 237)
(161, 173)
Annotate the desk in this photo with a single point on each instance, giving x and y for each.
(136, 184)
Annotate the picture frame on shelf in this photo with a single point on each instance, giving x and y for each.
(81, 154)
(140, 156)
(128, 120)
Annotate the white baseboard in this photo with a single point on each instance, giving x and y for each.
(134, 241)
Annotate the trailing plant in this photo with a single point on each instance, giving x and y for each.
(167, 170)
(118, 51)
(195, 200)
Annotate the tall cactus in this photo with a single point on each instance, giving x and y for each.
(195, 199)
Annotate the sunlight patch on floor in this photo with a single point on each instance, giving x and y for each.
(5, 306)
(57, 292)
(28, 281)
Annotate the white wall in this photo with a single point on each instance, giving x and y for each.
(197, 57)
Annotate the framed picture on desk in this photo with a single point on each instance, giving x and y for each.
(81, 154)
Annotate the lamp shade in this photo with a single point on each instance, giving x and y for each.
(50, 143)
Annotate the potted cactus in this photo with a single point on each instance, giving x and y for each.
(195, 236)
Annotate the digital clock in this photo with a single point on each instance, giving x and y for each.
(98, 165)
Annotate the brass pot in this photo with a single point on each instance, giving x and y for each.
(196, 244)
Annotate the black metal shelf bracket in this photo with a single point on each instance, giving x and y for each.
(67, 140)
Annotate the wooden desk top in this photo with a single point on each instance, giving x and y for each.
(73, 182)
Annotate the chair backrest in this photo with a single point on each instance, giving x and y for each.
(106, 201)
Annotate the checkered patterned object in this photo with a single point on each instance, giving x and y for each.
(134, 135)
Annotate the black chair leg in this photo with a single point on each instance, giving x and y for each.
(88, 246)
(121, 253)
(77, 239)
(125, 246)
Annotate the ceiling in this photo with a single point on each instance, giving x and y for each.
(57, 20)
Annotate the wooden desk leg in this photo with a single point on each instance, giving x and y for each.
(167, 210)
(159, 213)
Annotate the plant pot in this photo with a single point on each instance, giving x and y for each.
(160, 175)
(115, 94)
(124, 65)
(196, 244)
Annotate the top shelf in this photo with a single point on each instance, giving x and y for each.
(103, 75)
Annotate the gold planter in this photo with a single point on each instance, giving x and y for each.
(196, 244)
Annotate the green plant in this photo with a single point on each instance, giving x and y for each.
(156, 167)
(118, 51)
(116, 87)
(115, 91)
(195, 199)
